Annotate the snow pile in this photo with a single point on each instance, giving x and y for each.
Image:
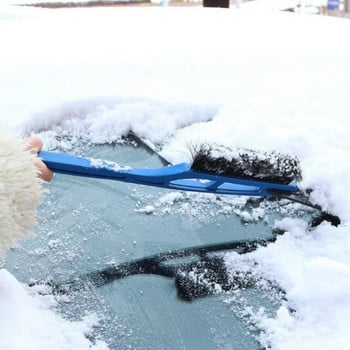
(266, 82)
(28, 322)
(105, 120)
(315, 273)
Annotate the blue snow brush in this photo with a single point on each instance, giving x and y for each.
(215, 170)
(243, 173)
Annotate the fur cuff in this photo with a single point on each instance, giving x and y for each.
(20, 192)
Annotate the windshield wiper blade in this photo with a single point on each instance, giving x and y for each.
(175, 264)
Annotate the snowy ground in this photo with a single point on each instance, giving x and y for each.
(247, 78)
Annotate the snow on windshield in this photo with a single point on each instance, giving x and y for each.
(174, 76)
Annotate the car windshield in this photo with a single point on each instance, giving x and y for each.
(121, 252)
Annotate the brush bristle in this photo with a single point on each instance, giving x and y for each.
(247, 164)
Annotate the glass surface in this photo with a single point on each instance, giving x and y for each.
(88, 224)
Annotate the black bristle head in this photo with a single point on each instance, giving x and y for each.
(269, 166)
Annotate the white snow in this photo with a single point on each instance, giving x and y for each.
(315, 273)
(28, 321)
(248, 78)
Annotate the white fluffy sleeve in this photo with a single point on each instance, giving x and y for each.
(20, 192)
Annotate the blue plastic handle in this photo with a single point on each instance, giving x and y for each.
(175, 177)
